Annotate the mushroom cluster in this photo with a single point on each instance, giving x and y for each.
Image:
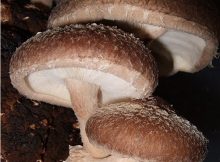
(108, 76)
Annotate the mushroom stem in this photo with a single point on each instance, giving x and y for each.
(85, 98)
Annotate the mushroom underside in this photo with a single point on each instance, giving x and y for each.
(51, 82)
(177, 51)
(173, 50)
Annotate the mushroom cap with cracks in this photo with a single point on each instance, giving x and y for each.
(115, 61)
(146, 129)
(184, 32)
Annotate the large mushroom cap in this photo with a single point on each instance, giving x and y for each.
(146, 129)
(104, 56)
(184, 31)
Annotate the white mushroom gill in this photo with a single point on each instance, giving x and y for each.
(52, 82)
(184, 50)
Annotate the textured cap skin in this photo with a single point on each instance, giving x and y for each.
(197, 12)
(198, 17)
(147, 129)
(96, 47)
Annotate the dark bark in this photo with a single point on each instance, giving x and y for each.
(30, 130)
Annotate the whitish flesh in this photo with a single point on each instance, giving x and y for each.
(52, 82)
(181, 49)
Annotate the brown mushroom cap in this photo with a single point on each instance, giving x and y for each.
(105, 56)
(146, 129)
(185, 32)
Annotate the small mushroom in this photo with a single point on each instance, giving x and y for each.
(6, 14)
(83, 67)
(184, 33)
(146, 130)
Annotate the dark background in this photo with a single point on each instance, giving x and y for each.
(197, 98)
